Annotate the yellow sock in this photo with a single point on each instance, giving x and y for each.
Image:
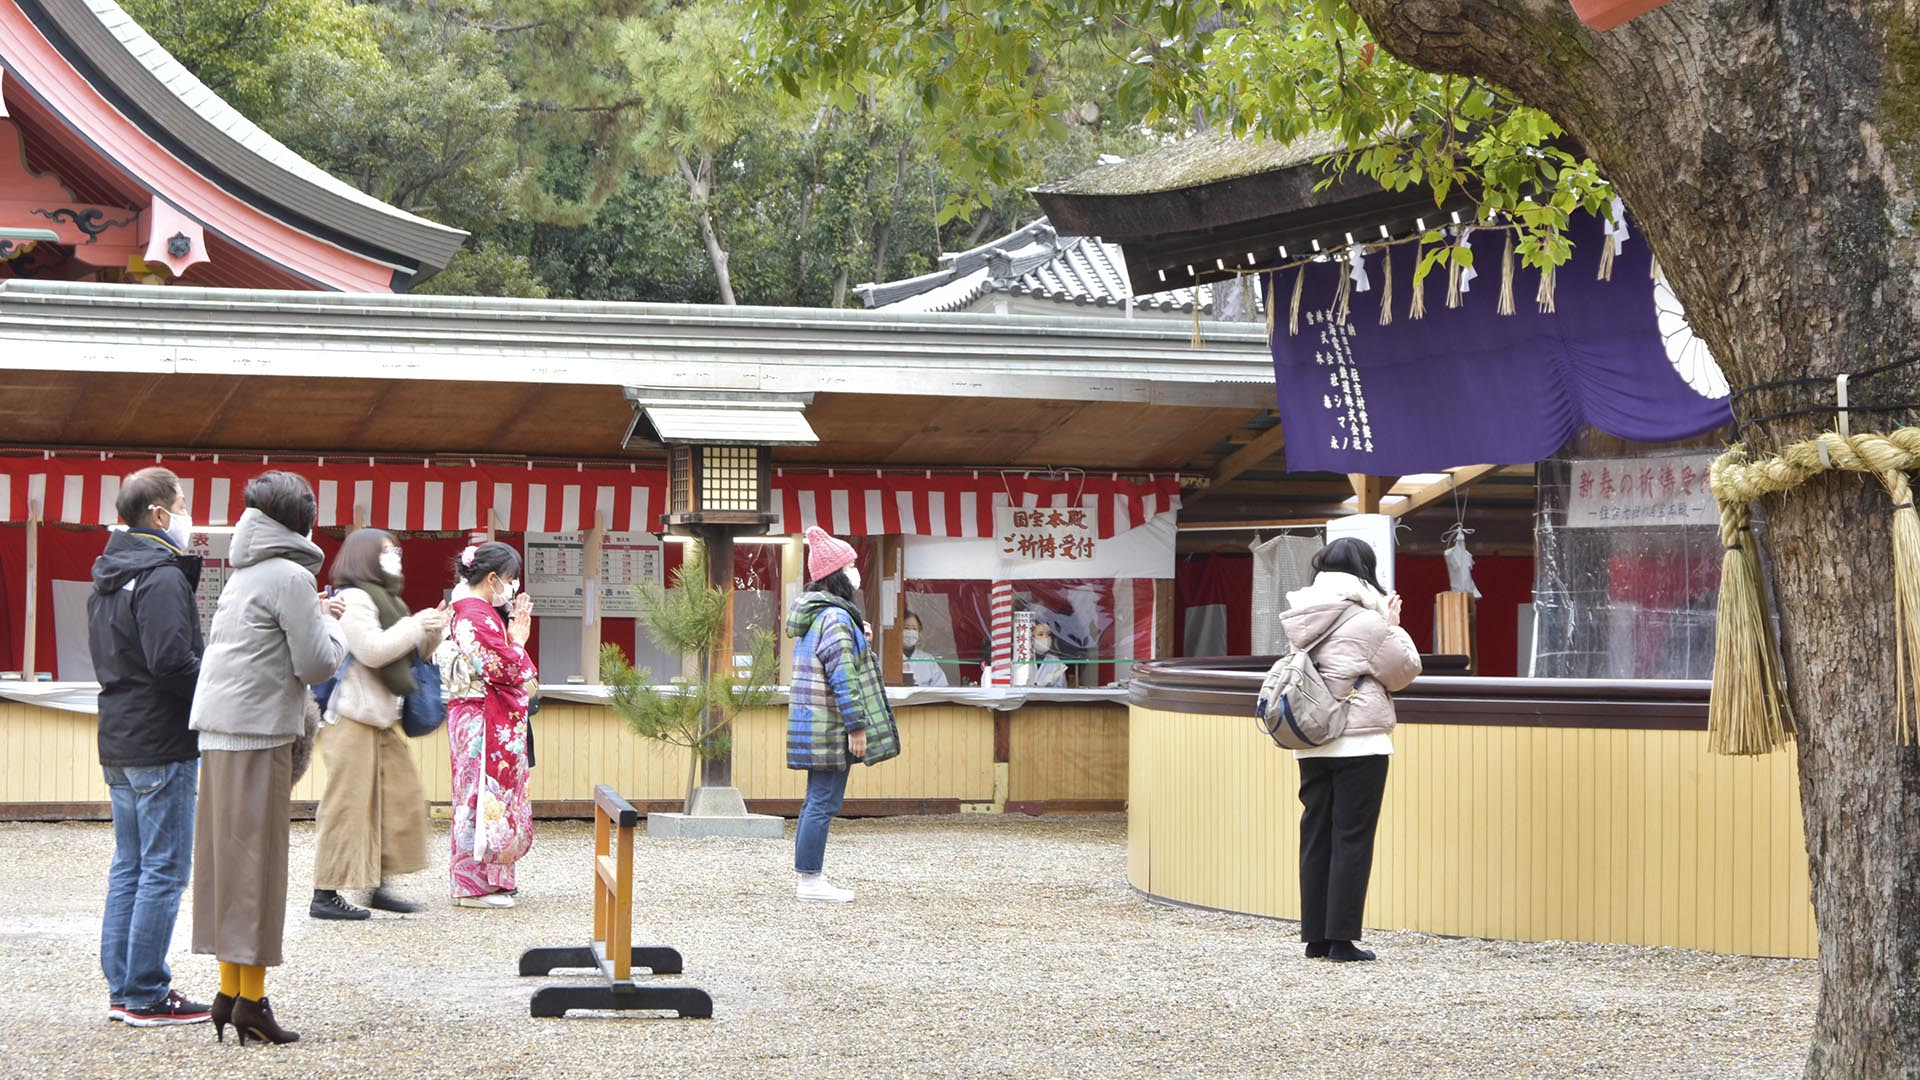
(253, 982)
(230, 979)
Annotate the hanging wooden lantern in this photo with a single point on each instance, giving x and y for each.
(1607, 14)
(719, 453)
(719, 485)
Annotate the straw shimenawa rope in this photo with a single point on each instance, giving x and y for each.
(1748, 713)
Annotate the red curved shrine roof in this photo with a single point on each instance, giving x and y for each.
(133, 162)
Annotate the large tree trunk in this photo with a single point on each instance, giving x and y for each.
(1769, 152)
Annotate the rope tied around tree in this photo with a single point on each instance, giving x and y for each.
(1748, 712)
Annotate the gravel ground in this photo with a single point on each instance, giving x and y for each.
(978, 948)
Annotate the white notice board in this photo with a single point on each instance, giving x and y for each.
(556, 572)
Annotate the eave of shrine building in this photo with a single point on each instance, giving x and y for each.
(1203, 208)
(94, 105)
(115, 367)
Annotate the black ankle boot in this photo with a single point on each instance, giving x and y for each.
(255, 1018)
(1317, 949)
(1346, 952)
(329, 904)
(222, 1016)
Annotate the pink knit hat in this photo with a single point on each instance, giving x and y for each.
(825, 553)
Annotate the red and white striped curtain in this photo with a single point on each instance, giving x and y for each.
(434, 497)
(410, 498)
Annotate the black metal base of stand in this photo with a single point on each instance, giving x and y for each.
(659, 959)
(625, 995)
(690, 1002)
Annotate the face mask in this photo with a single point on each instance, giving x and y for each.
(179, 526)
(505, 595)
(1042, 646)
(910, 638)
(390, 562)
(853, 575)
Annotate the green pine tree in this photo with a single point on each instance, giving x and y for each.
(695, 713)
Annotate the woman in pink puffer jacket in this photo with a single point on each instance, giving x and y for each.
(1342, 782)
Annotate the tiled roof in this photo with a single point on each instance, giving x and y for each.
(1033, 262)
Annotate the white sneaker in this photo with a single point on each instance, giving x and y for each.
(815, 887)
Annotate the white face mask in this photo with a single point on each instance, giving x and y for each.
(390, 562)
(910, 638)
(505, 595)
(179, 526)
(853, 575)
(1042, 645)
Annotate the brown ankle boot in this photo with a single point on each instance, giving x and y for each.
(255, 1018)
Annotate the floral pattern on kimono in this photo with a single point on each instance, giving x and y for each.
(484, 675)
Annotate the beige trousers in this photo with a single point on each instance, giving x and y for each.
(373, 813)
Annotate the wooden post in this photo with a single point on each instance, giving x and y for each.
(1162, 618)
(1367, 492)
(27, 662)
(718, 771)
(1453, 629)
(591, 600)
(360, 517)
(893, 652)
(793, 578)
(492, 523)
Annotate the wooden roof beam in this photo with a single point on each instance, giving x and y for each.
(1427, 494)
(1269, 443)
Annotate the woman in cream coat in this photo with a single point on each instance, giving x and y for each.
(373, 813)
(1367, 658)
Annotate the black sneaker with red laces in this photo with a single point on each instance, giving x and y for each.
(173, 1009)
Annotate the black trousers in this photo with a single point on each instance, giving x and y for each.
(1342, 800)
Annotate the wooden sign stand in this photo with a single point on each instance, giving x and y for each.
(612, 949)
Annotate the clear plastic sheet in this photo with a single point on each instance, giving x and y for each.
(1092, 644)
(1624, 602)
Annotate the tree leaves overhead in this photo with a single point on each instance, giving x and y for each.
(991, 76)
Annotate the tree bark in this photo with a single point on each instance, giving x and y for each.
(1768, 151)
(699, 182)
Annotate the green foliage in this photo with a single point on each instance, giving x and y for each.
(562, 134)
(1275, 69)
(239, 48)
(696, 714)
(485, 268)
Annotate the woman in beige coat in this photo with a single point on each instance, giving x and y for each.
(1367, 658)
(373, 813)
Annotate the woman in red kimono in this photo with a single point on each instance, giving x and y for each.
(487, 678)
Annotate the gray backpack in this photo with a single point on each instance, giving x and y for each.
(1296, 708)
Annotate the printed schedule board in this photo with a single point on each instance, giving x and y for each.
(214, 571)
(556, 573)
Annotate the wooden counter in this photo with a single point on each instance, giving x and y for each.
(1529, 809)
(1041, 756)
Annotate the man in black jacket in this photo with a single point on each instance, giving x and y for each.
(143, 629)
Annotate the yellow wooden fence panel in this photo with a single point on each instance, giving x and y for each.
(1531, 833)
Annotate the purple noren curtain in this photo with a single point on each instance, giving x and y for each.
(1468, 386)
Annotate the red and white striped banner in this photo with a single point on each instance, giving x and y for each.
(847, 503)
(404, 498)
(437, 497)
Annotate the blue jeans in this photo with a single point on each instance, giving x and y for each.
(826, 790)
(153, 808)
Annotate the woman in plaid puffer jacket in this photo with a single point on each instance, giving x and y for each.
(838, 712)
